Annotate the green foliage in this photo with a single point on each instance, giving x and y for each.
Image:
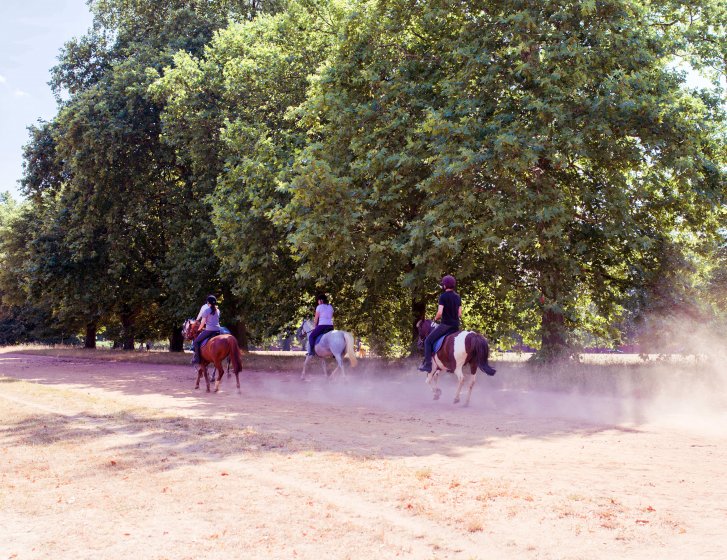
(542, 149)
(227, 113)
(550, 155)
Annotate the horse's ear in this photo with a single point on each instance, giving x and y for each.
(419, 322)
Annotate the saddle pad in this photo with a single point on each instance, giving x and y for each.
(318, 338)
(206, 340)
(438, 344)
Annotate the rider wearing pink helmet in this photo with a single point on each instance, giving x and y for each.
(449, 311)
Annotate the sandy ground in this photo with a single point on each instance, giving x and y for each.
(122, 460)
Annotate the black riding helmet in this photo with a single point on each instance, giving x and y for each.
(212, 300)
(449, 283)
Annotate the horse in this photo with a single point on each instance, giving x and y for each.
(337, 344)
(459, 349)
(306, 327)
(213, 351)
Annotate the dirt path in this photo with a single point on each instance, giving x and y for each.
(119, 460)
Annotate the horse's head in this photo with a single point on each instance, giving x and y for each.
(424, 327)
(190, 329)
(306, 327)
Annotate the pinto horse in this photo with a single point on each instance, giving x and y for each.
(213, 351)
(459, 349)
(337, 344)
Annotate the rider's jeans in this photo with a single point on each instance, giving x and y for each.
(315, 333)
(201, 337)
(436, 334)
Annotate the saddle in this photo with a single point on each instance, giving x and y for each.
(223, 330)
(438, 343)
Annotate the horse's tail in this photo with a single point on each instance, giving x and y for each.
(350, 348)
(235, 355)
(482, 353)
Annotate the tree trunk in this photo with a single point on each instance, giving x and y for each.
(176, 340)
(239, 331)
(128, 331)
(418, 313)
(553, 332)
(90, 340)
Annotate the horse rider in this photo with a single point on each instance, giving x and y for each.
(209, 313)
(450, 312)
(322, 322)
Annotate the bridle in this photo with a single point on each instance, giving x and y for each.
(303, 330)
(422, 336)
(187, 327)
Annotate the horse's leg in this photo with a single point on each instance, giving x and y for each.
(305, 366)
(325, 369)
(220, 374)
(460, 377)
(432, 378)
(473, 378)
(199, 377)
(206, 377)
(339, 367)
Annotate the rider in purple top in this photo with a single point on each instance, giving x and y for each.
(323, 322)
(209, 314)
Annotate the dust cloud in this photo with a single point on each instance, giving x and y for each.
(683, 391)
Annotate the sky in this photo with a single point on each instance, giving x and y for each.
(32, 32)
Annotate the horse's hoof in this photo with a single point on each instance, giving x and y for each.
(456, 400)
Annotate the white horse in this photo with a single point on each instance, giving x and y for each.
(306, 327)
(336, 344)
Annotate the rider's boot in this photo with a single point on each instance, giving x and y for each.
(425, 367)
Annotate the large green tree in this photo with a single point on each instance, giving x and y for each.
(229, 115)
(550, 151)
(120, 212)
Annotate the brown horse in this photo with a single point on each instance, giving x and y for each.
(459, 349)
(214, 351)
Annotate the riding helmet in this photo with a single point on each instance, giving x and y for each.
(449, 283)
(212, 300)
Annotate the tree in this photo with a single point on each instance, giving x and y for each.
(21, 319)
(227, 113)
(559, 148)
(106, 249)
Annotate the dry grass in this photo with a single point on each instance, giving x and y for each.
(167, 473)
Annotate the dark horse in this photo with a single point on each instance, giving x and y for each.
(459, 349)
(214, 351)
